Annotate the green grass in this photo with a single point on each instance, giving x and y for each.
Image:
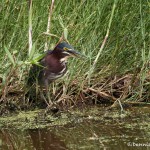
(87, 22)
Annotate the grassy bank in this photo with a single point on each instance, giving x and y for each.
(120, 69)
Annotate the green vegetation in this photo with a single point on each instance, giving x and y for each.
(120, 67)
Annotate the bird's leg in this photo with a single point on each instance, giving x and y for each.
(48, 96)
(36, 90)
(43, 97)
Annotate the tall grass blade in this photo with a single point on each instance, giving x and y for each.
(65, 33)
(49, 23)
(30, 26)
(32, 52)
(10, 56)
(105, 39)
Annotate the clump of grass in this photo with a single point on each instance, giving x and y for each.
(124, 26)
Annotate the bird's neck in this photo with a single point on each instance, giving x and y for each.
(64, 60)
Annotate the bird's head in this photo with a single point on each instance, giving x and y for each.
(63, 50)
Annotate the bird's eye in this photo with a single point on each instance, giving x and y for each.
(65, 48)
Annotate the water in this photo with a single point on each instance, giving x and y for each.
(104, 130)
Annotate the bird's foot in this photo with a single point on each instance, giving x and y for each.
(53, 108)
(48, 102)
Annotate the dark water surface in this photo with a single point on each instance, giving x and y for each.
(107, 131)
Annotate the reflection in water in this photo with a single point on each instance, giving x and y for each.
(45, 140)
(83, 133)
(31, 140)
(93, 135)
(6, 140)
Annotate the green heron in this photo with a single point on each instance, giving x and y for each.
(52, 66)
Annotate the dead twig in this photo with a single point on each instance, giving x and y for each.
(49, 23)
(103, 94)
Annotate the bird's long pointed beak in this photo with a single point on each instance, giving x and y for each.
(75, 53)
